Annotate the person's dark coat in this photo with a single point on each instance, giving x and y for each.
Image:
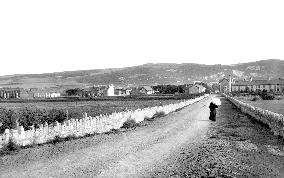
(212, 107)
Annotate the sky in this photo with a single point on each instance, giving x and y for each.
(39, 36)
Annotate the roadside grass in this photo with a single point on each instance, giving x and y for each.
(271, 105)
(9, 148)
(130, 123)
(58, 139)
(156, 115)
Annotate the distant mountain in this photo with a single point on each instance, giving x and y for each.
(147, 74)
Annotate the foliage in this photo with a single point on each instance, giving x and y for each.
(28, 117)
(159, 114)
(256, 98)
(74, 92)
(169, 89)
(9, 147)
(7, 119)
(58, 139)
(215, 87)
(267, 96)
(31, 116)
(156, 115)
(56, 115)
(129, 123)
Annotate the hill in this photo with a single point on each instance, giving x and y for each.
(147, 74)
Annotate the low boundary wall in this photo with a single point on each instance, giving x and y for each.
(274, 120)
(86, 125)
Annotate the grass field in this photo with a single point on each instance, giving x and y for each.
(271, 105)
(93, 108)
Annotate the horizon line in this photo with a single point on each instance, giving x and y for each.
(111, 68)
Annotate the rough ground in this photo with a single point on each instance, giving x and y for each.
(182, 144)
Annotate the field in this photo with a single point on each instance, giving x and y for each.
(271, 105)
(93, 108)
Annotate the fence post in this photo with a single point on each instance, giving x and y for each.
(22, 136)
(6, 136)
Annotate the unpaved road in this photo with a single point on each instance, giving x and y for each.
(182, 144)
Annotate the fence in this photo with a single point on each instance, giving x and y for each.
(86, 125)
(274, 120)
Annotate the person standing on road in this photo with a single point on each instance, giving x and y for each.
(213, 105)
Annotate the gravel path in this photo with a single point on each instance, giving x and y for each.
(181, 144)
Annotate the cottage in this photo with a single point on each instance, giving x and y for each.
(47, 93)
(146, 90)
(90, 92)
(110, 90)
(6, 93)
(128, 91)
(195, 89)
(201, 89)
(27, 93)
(102, 90)
(119, 91)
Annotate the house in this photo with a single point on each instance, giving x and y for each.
(275, 85)
(119, 91)
(7, 93)
(128, 91)
(146, 90)
(90, 92)
(224, 85)
(47, 93)
(109, 90)
(100, 90)
(192, 89)
(27, 93)
(201, 89)
(195, 89)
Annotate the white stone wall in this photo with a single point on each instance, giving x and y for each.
(86, 125)
(275, 121)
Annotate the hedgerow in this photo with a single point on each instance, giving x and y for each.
(28, 117)
(7, 119)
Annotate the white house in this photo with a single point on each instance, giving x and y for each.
(110, 90)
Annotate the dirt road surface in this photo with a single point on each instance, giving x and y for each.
(182, 144)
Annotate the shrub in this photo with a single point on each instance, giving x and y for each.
(255, 98)
(9, 147)
(56, 115)
(159, 114)
(70, 137)
(267, 96)
(32, 116)
(149, 118)
(7, 119)
(57, 139)
(129, 123)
